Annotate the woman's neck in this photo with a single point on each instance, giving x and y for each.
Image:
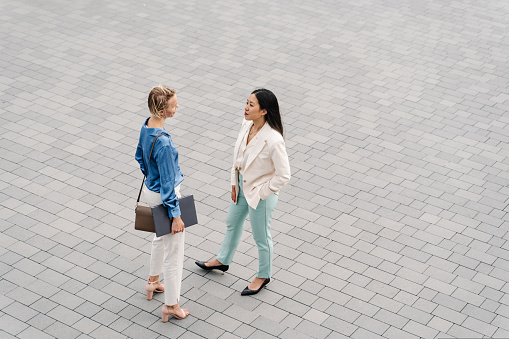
(258, 123)
(155, 122)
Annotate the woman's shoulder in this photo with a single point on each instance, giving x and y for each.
(274, 136)
(164, 140)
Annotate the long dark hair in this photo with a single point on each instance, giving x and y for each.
(268, 101)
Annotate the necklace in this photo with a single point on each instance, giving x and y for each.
(252, 130)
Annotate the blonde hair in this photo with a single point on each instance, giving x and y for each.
(158, 99)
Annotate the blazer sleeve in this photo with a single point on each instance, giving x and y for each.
(282, 169)
(167, 171)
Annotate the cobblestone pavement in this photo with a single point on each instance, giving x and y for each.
(395, 222)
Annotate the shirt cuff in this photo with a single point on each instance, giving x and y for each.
(174, 212)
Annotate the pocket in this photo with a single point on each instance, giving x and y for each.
(264, 191)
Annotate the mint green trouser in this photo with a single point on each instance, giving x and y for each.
(260, 219)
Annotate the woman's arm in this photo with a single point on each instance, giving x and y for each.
(139, 157)
(165, 158)
(282, 173)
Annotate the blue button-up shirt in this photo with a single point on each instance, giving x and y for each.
(163, 173)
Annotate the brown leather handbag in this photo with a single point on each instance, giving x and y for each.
(144, 220)
(146, 215)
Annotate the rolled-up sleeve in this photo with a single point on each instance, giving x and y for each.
(167, 172)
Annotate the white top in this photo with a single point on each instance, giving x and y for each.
(153, 199)
(243, 154)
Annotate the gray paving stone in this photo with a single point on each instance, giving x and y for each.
(41, 321)
(129, 311)
(67, 299)
(501, 333)
(93, 295)
(73, 286)
(239, 313)
(86, 325)
(58, 264)
(6, 335)
(449, 302)
(137, 331)
(64, 315)
(386, 303)
(19, 311)
(244, 331)
(415, 314)
(60, 330)
(23, 296)
(224, 322)
(144, 319)
(479, 313)
(102, 332)
(362, 333)
(393, 332)
(28, 266)
(205, 329)
(89, 309)
(316, 316)
(53, 278)
(459, 331)
(411, 138)
(32, 332)
(371, 324)
(308, 299)
(292, 306)
(4, 301)
(358, 292)
(117, 290)
(120, 324)
(290, 333)
(105, 317)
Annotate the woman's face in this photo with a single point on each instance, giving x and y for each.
(172, 106)
(252, 110)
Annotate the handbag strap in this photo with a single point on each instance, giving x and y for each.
(148, 167)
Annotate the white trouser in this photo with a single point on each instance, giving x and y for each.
(167, 255)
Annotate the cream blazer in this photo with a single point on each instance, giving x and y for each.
(267, 167)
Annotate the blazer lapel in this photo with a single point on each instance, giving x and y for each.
(261, 137)
(239, 140)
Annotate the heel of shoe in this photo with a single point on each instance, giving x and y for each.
(151, 288)
(164, 315)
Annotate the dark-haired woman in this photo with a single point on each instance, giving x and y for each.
(260, 169)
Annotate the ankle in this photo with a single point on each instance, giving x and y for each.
(215, 262)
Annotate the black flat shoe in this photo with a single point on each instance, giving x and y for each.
(247, 291)
(201, 264)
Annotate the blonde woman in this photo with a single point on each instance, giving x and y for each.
(162, 186)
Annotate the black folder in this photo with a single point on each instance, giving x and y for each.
(162, 221)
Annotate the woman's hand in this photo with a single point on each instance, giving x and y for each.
(177, 225)
(234, 194)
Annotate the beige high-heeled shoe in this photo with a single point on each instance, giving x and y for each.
(151, 288)
(166, 313)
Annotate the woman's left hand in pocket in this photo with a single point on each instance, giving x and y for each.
(177, 225)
